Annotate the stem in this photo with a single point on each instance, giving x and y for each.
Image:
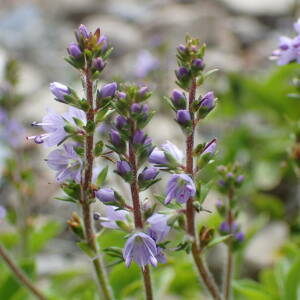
(138, 220)
(229, 262)
(85, 197)
(21, 275)
(190, 211)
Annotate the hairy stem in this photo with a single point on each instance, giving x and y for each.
(86, 195)
(21, 276)
(138, 220)
(190, 211)
(229, 261)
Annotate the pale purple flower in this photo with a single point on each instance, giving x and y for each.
(105, 195)
(113, 214)
(240, 179)
(142, 91)
(140, 248)
(149, 173)
(66, 162)
(108, 90)
(59, 91)
(210, 148)
(158, 156)
(74, 50)
(123, 167)
(2, 212)
(208, 102)
(178, 99)
(145, 64)
(98, 64)
(103, 41)
(84, 31)
(54, 123)
(159, 228)
(183, 117)
(180, 187)
(240, 236)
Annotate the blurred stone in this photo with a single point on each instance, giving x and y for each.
(263, 249)
(259, 7)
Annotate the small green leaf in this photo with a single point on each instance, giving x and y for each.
(86, 249)
(218, 240)
(102, 176)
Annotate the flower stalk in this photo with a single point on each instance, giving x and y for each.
(190, 210)
(85, 195)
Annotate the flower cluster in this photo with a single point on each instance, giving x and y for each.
(289, 48)
(231, 179)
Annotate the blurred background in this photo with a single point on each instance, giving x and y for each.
(254, 123)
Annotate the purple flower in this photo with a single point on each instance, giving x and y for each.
(138, 108)
(66, 162)
(59, 91)
(108, 90)
(180, 187)
(198, 63)
(2, 212)
(208, 101)
(84, 31)
(123, 167)
(121, 95)
(74, 50)
(54, 123)
(121, 122)
(113, 214)
(96, 216)
(158, 156)
(98, 64)
(149, 173)
(183, 117)
(141, 248)
(159, 228)
(142, 91)
(105, 195)
(115, 137)
(240, 179)
(145, 64)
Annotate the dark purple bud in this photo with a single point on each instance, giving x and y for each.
(108, 90)
(221, 183)
(96, 216)
(121, 122)
(123, 167)
(84, 31)
(229, 175)
(183, 117)
(226, 228)
(149, 173)
(142, 91)
(182, 73)
(74, 50)
(240, 236)
(139, 137)
(105, 195)
(98, 64)
(198, 64)
(136, 108)
(145, 108)
(115, 137)
(177, 96)
(181, 48)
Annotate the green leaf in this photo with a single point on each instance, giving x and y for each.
(292, 282)
(86, 249)
(251, 290)
(218, 240)
(102, 176)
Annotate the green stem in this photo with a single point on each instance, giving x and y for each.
(21, 276)
(86, 197)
